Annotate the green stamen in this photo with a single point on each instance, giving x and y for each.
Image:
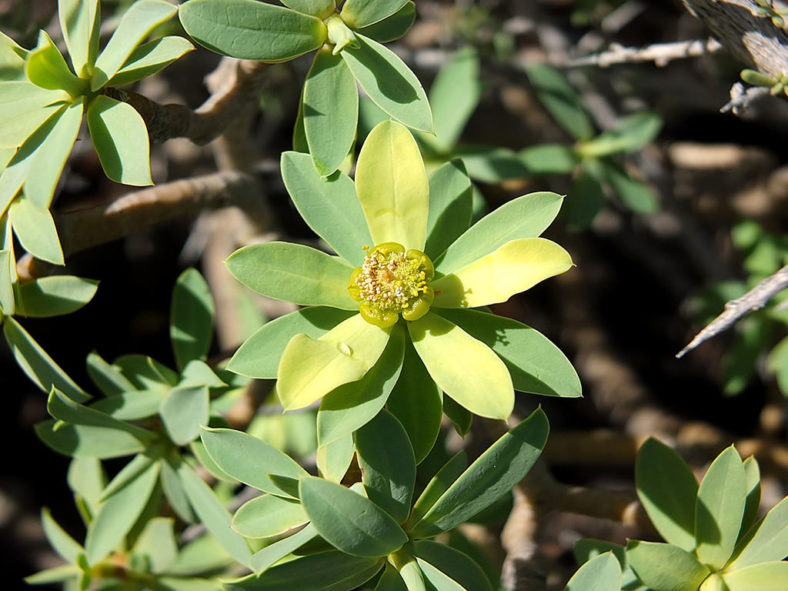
(391, 282)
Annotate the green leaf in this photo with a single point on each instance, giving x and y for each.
(329, 206)
(24, 108)
(250, 460)
(439, 559)
(150, 58)
(348, 521)
(46, 68)
(37, 365)
(56, 574)
(87, 480)
(249, 29)
(157, 542)
(460, 417)
(330, 111)
(392, 186)
(213, 514)
(273, 553)
(352, 405)
(561, 100)
(35, 229)
(135, 24)
(388, 466)
(54, 296)
(586, 197)
(777, 362)
(454, 95)
(753, 501)
(146, 373)
(463, 366)
(334, 459)
(491, 165)
(631, 134)
(416, 401)
(118, 514)
(191, 317)
(176, 495)
(202, 555)
(525, 217)
(492, 475)
(318, 8)
(88, 440)
(268, 515)
(183, 412)
(450, 207)
(389, 83)
(12, 59)
(768, 576)
(121, 140)
(719, 508)
(361, 13)
(7, 300)
(310, 368)
(50, 156)
(438, 484)
(62, 543)
(765, 541)
(549, 159)
(324, 571)
(199, 373)
(602, 573)
(393, 27)
(259, 355)
(391, 580)
(667, 489)
(649, 561)
(635, 195)
(293, 273)
(80, 21)
(535, 364)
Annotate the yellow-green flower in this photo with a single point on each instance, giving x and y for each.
(406, 263)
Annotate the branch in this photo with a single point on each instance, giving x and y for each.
(742, 97)
(755, 299)
(659, 53)
(85, 228)
(210, 119)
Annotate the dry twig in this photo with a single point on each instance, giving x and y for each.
(659, 53)
(754, 299)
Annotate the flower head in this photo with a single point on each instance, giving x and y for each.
(382, 293)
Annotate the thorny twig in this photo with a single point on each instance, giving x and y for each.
(659, 53)
(754, 299)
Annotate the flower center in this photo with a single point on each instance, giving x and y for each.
(391, 282)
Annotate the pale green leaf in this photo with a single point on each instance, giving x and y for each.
(362, 13)
(183, 412)
(88, 440)
(121, 140)
(191, 318)
(35, 362)
(157, 542)
(135, 24)
(535, 364)
(491, 476)
(602, 573)
(176, 496)
(310, 368)
(450, 207)
(62, 408)
(492, 165)
(24, 108)
(753, 501)
(45, 67)
(318, 8)
(132, 405)
(454, 95)
(249, 459)
(466, 369)
(549, 159)
(59, 539)
(273, 553)
(150, 58)
(330, 109)
(389, 83)
(259, 355)
(392, 186)
(53, 296)
(348, 521)
(393, 27)
(438, 485)
(87, 480)
(35, 229)
(12, 59)
(664, 567)
(512, 268)
(334, 459)
(561, 100)
(453, 564)
(766, 541)
(268, 515)
(719, 508)
(525, 217)
(7, 298)
(80, 22)
(249, 29)
(630, 135)
(329, 206)
(294, 273)
(56, 574)
(118, 514)
(667, 489)
(767, 576)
